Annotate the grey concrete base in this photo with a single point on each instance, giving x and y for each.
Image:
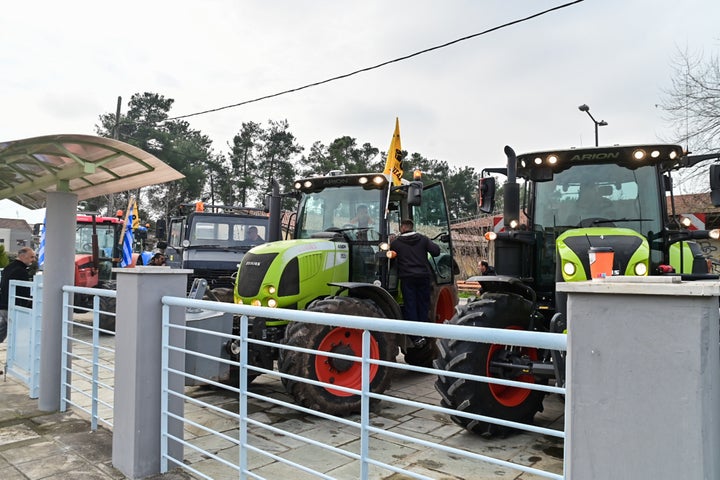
(136, 426)
(643, 380)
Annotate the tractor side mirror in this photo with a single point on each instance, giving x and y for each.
(161, 229)
(486, 194)
(715, 184)
(414, 194)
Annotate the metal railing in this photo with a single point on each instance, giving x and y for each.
(88, 358)
(248, 431)
(23, 353)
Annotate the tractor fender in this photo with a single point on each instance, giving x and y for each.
(378, 295)
(505, 284)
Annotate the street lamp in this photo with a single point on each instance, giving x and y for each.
(601, 123)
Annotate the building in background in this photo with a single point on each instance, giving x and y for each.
(14, 234)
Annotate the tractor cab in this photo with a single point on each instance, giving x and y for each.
(345, 223)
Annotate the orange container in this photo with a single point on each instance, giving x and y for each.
(601, 261)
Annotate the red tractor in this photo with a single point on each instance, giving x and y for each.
(97, 251)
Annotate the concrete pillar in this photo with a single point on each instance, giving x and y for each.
(643, 379)
(58, 271)
(136, 423)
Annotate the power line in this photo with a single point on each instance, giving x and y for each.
(379, 65)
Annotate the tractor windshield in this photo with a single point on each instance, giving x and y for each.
(225, 231)
(105, 235)
(354, 209)
(604, 195)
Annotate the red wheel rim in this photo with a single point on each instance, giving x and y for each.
(344, 340)
(506, 395)
(445, 306)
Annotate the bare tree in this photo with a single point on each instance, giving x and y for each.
(692, 107)
(692, 103)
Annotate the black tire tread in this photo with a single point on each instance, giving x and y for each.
(308, 335)
(497, 310)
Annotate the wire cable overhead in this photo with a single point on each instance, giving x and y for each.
(379, 65)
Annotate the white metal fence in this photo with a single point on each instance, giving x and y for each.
(239, 431)
(88, 357)
(23, 353)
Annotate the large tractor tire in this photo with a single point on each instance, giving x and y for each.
(494, 310)
(333, 370)
(107, 322)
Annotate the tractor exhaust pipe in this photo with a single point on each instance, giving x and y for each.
(511, 196)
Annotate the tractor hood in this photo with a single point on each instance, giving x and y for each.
(291, 273)
(631, 251)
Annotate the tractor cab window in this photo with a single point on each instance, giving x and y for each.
(105, 238)
(227, 231)
(599, 195)
(350, 209)
(176, 232)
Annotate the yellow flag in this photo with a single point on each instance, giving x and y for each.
(136, 215)
(393, 164)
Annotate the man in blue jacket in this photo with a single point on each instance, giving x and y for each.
(411, 250)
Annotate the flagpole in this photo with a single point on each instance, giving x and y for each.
(131, 200)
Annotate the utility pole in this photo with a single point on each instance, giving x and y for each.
(116, 136)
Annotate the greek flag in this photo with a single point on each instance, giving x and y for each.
(127, 243)
(41, 248)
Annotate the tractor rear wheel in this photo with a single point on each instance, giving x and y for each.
(494, 310)
(107, 321)
(336, 371)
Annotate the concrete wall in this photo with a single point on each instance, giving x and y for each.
(643, 379)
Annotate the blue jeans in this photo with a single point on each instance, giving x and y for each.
(416, 298)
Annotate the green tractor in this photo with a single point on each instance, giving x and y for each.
(575, 202)
(337, 262)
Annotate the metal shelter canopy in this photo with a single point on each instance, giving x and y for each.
(85, 165)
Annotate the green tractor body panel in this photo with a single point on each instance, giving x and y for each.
(292, 273)
(629, 249)
(692, 261)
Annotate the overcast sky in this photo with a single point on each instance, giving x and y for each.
(62, 64)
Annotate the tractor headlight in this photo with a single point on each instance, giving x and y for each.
(714, 234)
(272, 303)
(489, 236)
(271, 289)
(640, 269)
(256, 303)
(569, 269)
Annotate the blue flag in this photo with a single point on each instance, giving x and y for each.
(41, 248)
(127, 243)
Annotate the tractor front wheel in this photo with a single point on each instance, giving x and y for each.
(494, 310)
(335, 371)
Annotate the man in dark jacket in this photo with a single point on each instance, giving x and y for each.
(411, 250)
(16, 270)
